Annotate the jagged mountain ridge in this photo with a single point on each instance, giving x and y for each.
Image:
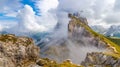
(113, 31)
(81, 40)
(98, 28)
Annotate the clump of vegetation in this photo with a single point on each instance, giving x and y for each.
(7, 38)
(11, 38)
(45, 62)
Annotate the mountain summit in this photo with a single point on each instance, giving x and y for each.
(80, 41)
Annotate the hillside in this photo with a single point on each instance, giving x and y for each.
(106, 43)
(115, 40)
(96, 35)
(80, 41)
(19, 51)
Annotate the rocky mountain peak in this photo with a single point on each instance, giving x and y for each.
(79, 16)
(96, 59)
(76, 25)
(81, 40)
(79, 30)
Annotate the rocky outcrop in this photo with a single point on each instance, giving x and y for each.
(80, 17)
(17, 51)
(100, 60)
(79, 31)
(22, 52)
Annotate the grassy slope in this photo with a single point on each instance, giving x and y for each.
(102, 37)
(115, 40)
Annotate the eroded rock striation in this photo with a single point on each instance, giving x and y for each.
(95, 59)
(17, 51)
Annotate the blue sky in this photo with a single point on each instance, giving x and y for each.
(25, 15)
(32, 4)
(3, 17)
(24, 2)
(26, 12)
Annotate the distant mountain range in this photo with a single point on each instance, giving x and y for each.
(100, 29)
(113, 31)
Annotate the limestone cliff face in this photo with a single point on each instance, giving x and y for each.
(77, 29)
(81, 39)
(17, 51)
(100, 60)
(80, 32)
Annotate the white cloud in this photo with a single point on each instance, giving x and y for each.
(8, 6)
(75, 5)
(98, 12)
(1, 28)
(117, 5)
(28, 21)
(95, 10)
(47, 11)
(46, 5)
(6, 24)
(11, 14)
